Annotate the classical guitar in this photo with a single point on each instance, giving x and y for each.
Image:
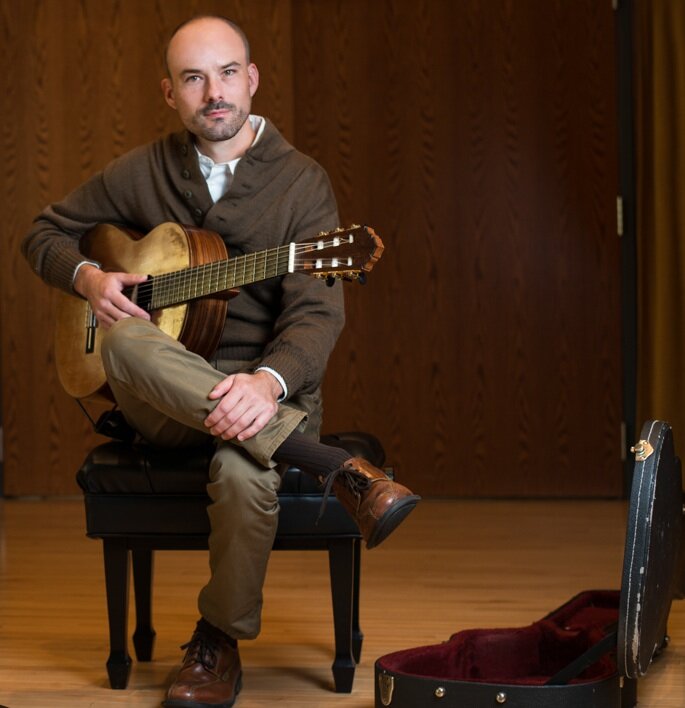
(191, 278)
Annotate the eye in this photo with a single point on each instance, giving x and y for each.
(229, 72)
(192, 78)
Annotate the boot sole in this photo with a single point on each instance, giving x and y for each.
(195, 704)
(392, 518)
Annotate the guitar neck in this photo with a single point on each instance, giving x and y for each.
(199, 281)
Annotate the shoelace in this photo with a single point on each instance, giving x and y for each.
(353, 480)
(202, 648)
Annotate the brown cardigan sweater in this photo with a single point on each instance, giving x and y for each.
(277, 195)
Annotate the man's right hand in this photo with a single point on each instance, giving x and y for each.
(104, 293)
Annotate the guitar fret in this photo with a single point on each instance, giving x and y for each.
(217, 276)
(233, 264)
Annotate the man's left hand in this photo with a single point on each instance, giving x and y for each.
(248, 403)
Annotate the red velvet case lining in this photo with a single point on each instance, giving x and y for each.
(526, 655)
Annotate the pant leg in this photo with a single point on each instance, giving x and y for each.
(159, 384)
(162, 390)
(243, 517)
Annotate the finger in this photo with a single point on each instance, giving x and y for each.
(222, 388)
(257, 425)
(109, 311)
(132, 278)
(248, 414)
(129, 308)
(239, 429)
(104, 321)
(261, 416)
(121, 301)
(225, 416)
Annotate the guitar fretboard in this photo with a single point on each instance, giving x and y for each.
(190, 283)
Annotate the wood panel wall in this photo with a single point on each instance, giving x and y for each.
(477, 138)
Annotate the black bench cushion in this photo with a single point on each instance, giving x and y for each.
(140, 490)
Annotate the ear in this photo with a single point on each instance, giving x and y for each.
(168, 91)
(253, 78)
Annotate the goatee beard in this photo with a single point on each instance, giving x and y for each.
(222, 128)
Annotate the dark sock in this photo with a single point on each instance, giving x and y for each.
(204, 626)
(310, 455)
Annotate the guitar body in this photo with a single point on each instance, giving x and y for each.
(192, 279)
(197, 323)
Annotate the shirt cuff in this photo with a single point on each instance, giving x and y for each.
(278, 378)
(78, 267)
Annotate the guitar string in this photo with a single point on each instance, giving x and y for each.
(223, 274)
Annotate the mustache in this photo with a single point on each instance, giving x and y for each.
(217, 106)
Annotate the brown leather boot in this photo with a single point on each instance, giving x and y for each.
(376, 503)
(210, 676)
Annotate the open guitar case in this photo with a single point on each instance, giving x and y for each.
(589, 652)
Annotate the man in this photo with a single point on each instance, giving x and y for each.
(258, 397)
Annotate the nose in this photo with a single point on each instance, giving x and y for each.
(213, 91)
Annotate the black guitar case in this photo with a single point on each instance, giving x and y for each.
(588, 653)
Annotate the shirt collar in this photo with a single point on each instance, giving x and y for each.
(207, 164)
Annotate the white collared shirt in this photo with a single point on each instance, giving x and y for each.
(218, 175)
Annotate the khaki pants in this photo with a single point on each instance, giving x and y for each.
(162, 391)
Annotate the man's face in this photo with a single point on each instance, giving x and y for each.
(211, 83)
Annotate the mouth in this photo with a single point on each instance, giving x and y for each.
(217, 111)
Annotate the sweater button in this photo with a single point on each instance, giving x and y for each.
(187, 194)
(198, 212)
(185, 174)
(184, 149)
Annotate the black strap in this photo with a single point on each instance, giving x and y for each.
(588, 658)
(111, 424)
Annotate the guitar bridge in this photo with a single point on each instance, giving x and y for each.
(91, 326)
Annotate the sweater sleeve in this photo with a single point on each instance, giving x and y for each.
(126, 192)
(312, 313)
(52, 245)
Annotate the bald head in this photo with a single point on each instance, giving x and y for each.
(202, 18)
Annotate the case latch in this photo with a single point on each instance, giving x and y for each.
(642, 450)
(386, 686)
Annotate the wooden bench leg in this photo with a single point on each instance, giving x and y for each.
(144, 635)
(342, 564)
(117, 570)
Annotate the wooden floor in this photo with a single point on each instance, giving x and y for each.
(453, 565)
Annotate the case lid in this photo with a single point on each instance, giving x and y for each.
(651, 550)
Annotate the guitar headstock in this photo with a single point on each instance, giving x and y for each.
(341, 253)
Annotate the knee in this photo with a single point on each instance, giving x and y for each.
(243, 484)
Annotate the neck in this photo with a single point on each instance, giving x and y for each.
(230, 149)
